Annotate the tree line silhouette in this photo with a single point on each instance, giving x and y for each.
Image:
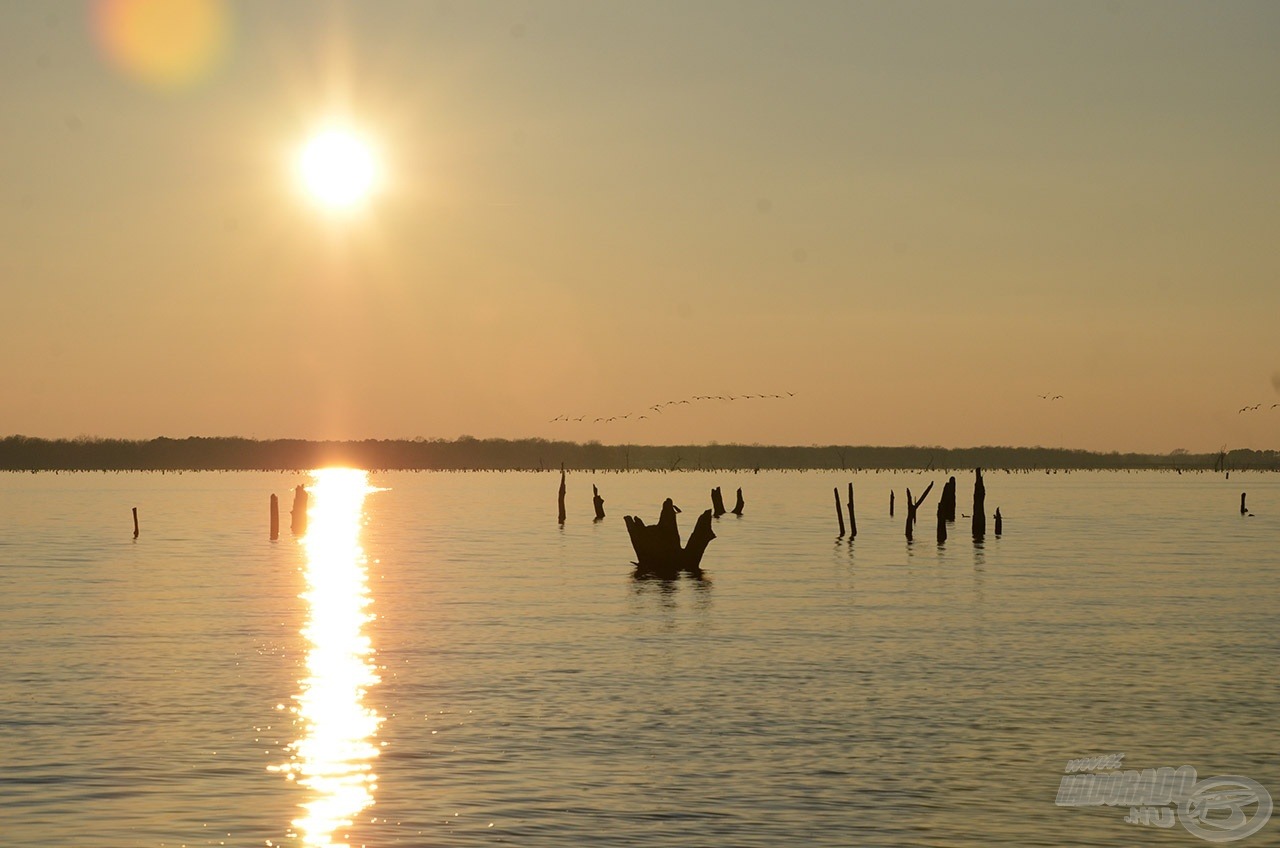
(196, 453)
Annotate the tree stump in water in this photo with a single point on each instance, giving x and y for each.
(999, 522)
(657, 547)
(298, 516)
(948, 502)
(839, 514)
(912, 506)
(740, 505)
(717, 503)
(562, 490)
(853, 522)
(942, 519)
(979, 506)
(597, 502)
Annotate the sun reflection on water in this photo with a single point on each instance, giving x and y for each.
(333, 757)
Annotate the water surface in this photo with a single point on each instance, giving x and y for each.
(519, 687)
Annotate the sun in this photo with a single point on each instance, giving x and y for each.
(338, 168)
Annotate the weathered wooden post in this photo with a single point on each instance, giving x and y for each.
(717, 503)
(740, 505)
(135, 522)
(275, 518)
(1243, 509)
(298, 517)
(942, 520)
(979, 506)
(999, 522)
(853, 522)
(839, 514)
(891, 503)
(597, 502)
(562, 489)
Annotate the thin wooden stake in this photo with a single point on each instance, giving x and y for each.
(135, 522)
(853, 522)
(839, 513)
(562, 489)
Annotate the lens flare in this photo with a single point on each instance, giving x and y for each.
(166, 44)
(334, 756)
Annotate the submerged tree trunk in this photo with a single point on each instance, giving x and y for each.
(717, 502)
(853, 522)
(839, 514)
(979, 507)
(562, 490)
(657, 547)
(298, 517)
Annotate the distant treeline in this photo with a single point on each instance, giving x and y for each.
(22, 453)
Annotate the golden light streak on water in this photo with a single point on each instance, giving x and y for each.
(333, 758)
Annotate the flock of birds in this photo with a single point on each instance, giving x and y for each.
(1051, 397)
(1254, 408)
(657, 408)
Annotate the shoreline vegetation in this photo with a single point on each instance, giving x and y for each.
(195, 453)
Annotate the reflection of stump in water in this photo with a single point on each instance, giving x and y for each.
(657, 547)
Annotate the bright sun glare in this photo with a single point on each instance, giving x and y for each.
(338, 168)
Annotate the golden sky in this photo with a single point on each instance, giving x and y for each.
(916, 217)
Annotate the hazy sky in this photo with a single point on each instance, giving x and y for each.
(917, 217)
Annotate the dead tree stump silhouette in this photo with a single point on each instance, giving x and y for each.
(912, 506)
(948, 501)
(717, 503)
(853, 522)
(979, 506)
(562, 490)
(597, 502)
(740, 505)
(657, 547)
(298, 516)
(839, 514)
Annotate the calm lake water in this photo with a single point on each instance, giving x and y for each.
(440, 664)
